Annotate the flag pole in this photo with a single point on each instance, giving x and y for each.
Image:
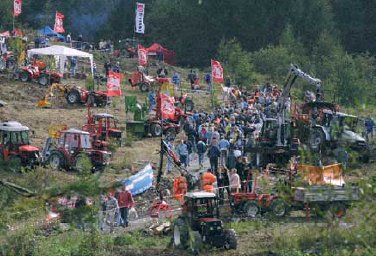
(212, 85)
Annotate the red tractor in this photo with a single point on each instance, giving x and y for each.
(15, 145)
(145, 82)
(78, 95)
(102, 127)
(73, 148)
(200, 223)
(37, 71)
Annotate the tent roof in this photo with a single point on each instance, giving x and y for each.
(59, 50)
(155, 47)
(48, 31)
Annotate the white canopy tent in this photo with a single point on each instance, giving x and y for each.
(62, 52)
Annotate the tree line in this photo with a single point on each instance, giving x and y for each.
(256, 40)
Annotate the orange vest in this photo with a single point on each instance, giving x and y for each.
(180, 187)
(207, 181)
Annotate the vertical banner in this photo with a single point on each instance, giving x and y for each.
(17, 7)
(113, 84)
(139, 23)
(142, 55)
(217, 71)
(59, 22)
(167, 106)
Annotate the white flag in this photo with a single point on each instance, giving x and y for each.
(140, 27)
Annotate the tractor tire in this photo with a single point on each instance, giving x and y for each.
(316, 140)
(14, 163)
(251, 209)
(180, 234)
(197, 244)
(73, 97)
(11, 64)
(231, 241)
(189, 105)
(278, 207)
(56, 161)
(82, 165)
(43, 80)
(3, 65)
(156, 130)
(171, 133)
(144, 87)
(24, 77)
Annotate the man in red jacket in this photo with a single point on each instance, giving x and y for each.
(126, 202)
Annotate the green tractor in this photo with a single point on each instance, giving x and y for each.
(199, 224)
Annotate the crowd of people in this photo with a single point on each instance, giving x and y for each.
(225, 136)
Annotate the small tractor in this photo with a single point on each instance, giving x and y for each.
(15, 145)
(102, 127)
(72, 149)
(37, 71)
(200, 224)
(78, 95)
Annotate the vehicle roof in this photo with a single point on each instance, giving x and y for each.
(103, 115)
(13, 126)
(74, 130)
(200, 194)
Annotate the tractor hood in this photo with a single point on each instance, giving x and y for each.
(352, 137)
(28, 148)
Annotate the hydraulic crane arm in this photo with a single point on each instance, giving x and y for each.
(294, 73)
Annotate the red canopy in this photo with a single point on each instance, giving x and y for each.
(168, 55)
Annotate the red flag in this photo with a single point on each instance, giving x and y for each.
(59, 22)
(217, 71)
(167, 106)
(17, 7)
(142, 55)
(113, 84)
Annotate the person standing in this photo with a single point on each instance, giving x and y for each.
(234, 181)
(182, 151)
(112, 211)
(214, 154)
(176, 80)
(126, 202)
(201, 149)
(208, 179)
(223, 183)
(224, 146)
(208, 81)
(73, 66)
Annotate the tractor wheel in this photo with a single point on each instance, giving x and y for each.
(230, 239)
(251, 209)
(83, 163)
(24, 76)
(337, 210)
(15, 163)
(278, 208)
(196, 245)
(43, 80)
(316, 139)
(144, 87)
(56, 161)
(171, 133)
(11, 64)
(73, 97)
(156, 130)
(189, 105)
(180, 235)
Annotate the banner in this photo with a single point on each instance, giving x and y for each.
(140, 182)
(167, 106)
(17, 7)
(139, 23)
(114, 84)
(142, 55)
(217, 71)
(59, 23)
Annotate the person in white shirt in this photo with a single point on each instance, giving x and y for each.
(234, 181)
